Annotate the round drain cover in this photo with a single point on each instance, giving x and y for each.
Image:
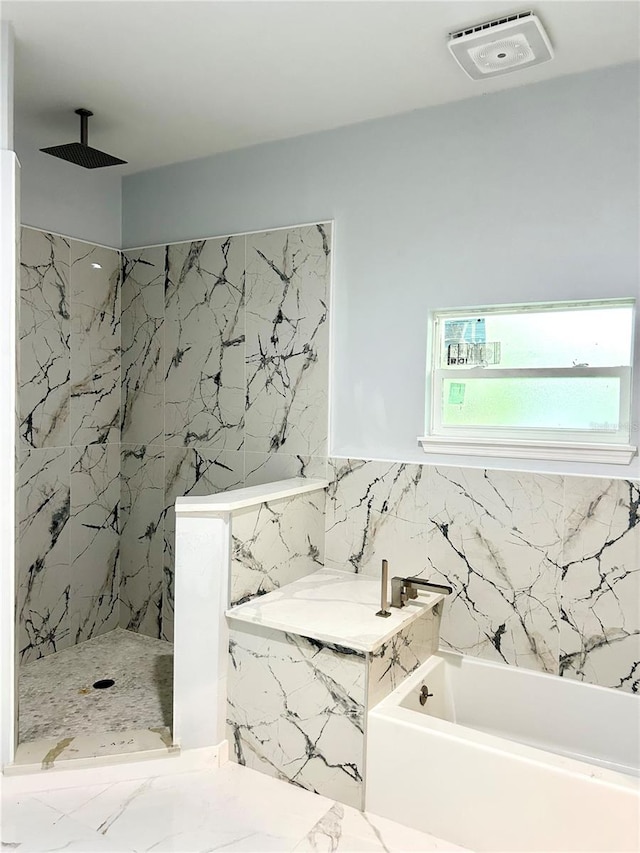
(103, 683)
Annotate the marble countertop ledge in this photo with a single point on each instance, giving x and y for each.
(333, 607)
(226, 502)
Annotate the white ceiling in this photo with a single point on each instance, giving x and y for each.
(176, 80)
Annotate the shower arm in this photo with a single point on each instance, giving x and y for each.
(84, 125)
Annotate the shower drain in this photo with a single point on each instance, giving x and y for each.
(103, 683)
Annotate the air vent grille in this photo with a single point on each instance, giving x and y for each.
(488, 25)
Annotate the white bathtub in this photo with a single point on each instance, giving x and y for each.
(505, 759)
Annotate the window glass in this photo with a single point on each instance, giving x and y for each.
(545, 403)
(594, 337)
(559, 367)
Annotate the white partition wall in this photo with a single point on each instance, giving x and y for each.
(203, 556)
(202, 582)
(9, 218)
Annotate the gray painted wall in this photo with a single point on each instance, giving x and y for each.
(59, 197)
(524, 195)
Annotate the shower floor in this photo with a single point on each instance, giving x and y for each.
(57, 698)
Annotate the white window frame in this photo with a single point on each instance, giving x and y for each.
(589, 445)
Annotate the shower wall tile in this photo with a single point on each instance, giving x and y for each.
(191, 471)
(600, 589)
(94, 531)
(141, 538)
(143, 283)
(296, 711)
(261, 468)
(376, 511)
(497, 538)
(44, 580)
(287, 308)
(44, 340)
(95, 344)
(204, 344)
(69, 395)
(402, 654)
(276, 543)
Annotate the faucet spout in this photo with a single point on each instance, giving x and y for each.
(403, 589)
(384, 580)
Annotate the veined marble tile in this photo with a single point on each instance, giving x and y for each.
(141, 538)
(29, 825)
(332, 607)
(191, 471)
(95, 344)
(228, 809)
(402, 655)
(376, 511)
(204, 344)
(296, 711)
(143, 282)
(276, 543)
(287, 308)
(44, 578)
(600, 590)
(345, 830)
(261, 468)
(94, 542)
(44, 340)
(497, 538)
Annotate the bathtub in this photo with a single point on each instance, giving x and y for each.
(504, 759)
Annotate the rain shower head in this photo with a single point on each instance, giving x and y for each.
(81, 152)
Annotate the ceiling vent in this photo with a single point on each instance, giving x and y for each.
(498, 47)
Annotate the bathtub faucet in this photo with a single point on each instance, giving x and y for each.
(402, 589)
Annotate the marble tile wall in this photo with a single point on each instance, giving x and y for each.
(287, 341)
(401, 655)
(545, 568)
(68, 459)
(600, 583)
(224, 383)
(276, 543)
(204, 364)
(222, 350)
(296, 711)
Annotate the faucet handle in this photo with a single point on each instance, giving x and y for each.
(398, 592)
(403, 589)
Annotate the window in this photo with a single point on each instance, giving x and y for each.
(549, 380)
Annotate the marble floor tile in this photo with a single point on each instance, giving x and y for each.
(347, 830)
(29, 825)
(202, 811)
(57, 698)
(227, 808)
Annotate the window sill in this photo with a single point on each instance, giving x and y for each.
(560, 451)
